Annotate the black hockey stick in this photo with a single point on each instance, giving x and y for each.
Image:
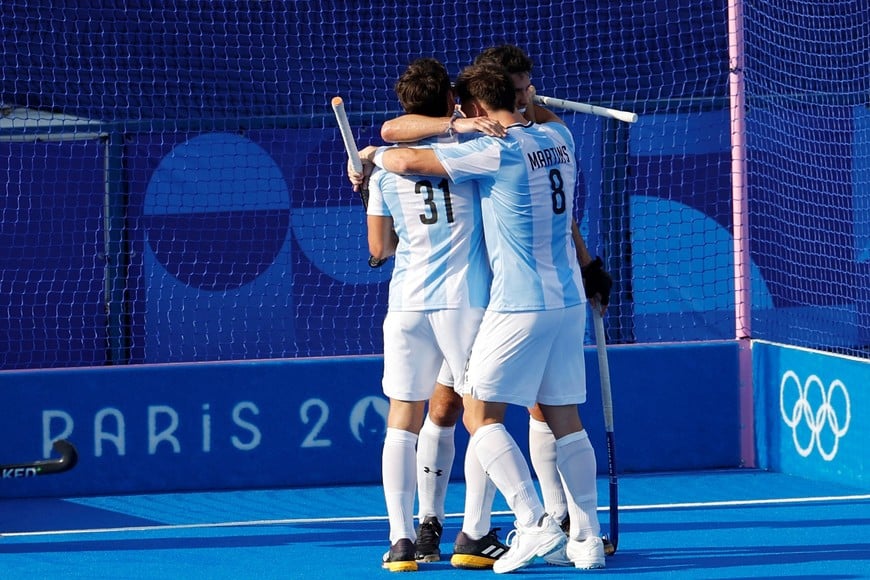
(67, 460)
(353, 155)
(610, 542)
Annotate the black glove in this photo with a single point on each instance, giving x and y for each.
(597, 281)
(376, 263)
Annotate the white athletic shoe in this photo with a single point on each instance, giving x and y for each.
(559, 557)
(530, 542)
(588, 554)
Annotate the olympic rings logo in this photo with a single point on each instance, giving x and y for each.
(823, 420)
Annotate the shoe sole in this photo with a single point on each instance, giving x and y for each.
(471, 562)
(403, 566)
(429, 558)
(542, 551)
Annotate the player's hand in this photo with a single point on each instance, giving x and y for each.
(597, 284)
(358, 179)
(528, 104)
(367, 153)
(483, 125)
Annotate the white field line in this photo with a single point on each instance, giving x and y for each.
(291, 521)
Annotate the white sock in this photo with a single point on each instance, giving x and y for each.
(502, 460)
(479, 495)
(542, 451)
(436, 450)
(399, 479)
(576, 461)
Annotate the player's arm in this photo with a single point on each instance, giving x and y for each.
(543, 115)
(382, 238)
(596, 281)
(410, 128)
(583, 255)
(537, 113)
(405, 160)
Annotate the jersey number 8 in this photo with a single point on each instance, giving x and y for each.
(557, 191)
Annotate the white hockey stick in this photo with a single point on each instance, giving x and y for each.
(625, 116)
(612, 541)
(346, 134)
(353, 156)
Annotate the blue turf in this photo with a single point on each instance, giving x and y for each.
(312, 533)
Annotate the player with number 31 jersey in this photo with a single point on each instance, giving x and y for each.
(440, 262)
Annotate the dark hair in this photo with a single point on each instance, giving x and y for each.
(489, 84)
(424, 87)
(507, 55)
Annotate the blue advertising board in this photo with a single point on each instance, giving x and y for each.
(812, 413)
(321, 421)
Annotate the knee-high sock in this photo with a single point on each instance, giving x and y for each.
(576, 460)
(399, 473)
(542, 451)
(502, 460)
(435, 453)
(479, 495)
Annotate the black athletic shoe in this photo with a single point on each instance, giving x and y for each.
(400, 558)
(429, 540)
(477, 554)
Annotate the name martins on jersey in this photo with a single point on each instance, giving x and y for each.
(549, 156)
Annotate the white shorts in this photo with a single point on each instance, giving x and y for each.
(527, 357)
(445, 376)
(417, 343)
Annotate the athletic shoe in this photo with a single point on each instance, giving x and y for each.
(559, 557)
(429, 540)
(400, 558)
(588, 554)
(528, 542)
(477, 554)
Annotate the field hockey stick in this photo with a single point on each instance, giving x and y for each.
(67, 460)
(611, 542)
(355, 161)
(625, 116)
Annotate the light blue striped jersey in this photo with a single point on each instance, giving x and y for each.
(526, 183)
(441, 259)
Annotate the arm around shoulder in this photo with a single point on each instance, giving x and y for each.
(407, 160)
(409, 128)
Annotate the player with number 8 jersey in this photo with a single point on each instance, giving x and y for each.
(525, 234)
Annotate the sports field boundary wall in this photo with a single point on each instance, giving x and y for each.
(812, 413)
(321, 421)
